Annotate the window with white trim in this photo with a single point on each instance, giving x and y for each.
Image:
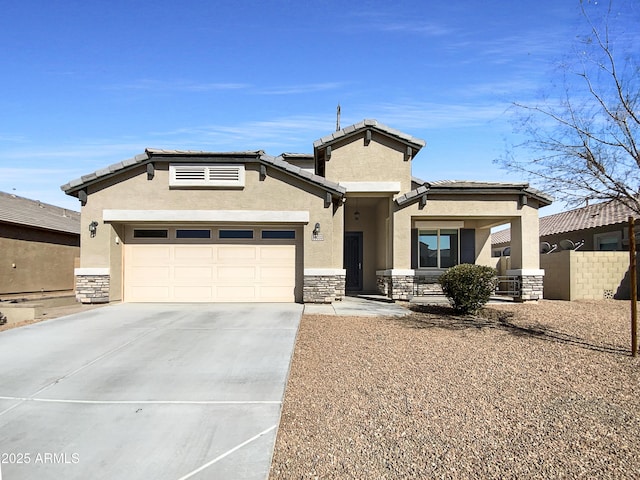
(438, 248)
(206, 175)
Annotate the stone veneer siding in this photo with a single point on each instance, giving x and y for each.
(323, 288)
(404, 287)
(531, 288)
(92, 288)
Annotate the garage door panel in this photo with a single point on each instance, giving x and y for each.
(148, 253)
(193, 293)
(276, 293)
(195, 253)
(230, 253)
(209, 273)
(150, 274)
(236, 293)
(191, 273)
(235, 274)
(149, 293)
(277, 253)
(268, 272)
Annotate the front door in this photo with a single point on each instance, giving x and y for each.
(353, 260)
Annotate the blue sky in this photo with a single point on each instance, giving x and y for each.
(85, 84)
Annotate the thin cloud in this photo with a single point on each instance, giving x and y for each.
(285, 134)
(179, 85)
(300, 89)
(439, 115)
(388, 23)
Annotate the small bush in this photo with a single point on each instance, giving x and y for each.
(468, 287)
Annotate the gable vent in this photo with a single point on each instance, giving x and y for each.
(215, 175)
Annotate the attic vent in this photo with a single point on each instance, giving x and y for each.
(216, 175)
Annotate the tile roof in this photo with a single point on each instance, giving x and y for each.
(591, 216)
(465, 186)
(33, 213)
(150, 153)
(364, 125)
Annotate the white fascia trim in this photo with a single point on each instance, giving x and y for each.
(396, 271)
(526, 272)
(371, 187)
(210, 216)
(91, 271)
(324, 271)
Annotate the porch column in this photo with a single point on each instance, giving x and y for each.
(525, 255)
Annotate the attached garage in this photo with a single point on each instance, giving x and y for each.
(212, 264)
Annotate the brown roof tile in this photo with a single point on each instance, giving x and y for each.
(592, 216)
(33, 213)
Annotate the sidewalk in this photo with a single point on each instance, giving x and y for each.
(357, 307)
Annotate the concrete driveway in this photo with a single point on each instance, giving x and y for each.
(140, 391)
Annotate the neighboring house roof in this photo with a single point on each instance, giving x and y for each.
(33, 213)
(192, 155)
(367, 124)
(468, 187)
(591, 216)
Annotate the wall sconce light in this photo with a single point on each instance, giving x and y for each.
(356, 215)
(93, 228)
(316, 229)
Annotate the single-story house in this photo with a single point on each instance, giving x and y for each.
(194, 226)
(39, 244)
(597, 227)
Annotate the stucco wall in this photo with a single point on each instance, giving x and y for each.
(382, 160)
(557, 280)
(44, 260)
(576, 275)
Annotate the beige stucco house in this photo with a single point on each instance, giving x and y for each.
(191, 226)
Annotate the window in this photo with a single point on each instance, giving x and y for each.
(206, 175)
(139, 233)
(438, 248)
(610, 241)
(193, 233)
(279, 234)
(236, 234)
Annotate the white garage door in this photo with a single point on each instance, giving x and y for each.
(173, 272)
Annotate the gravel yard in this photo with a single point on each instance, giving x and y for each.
(546, 390)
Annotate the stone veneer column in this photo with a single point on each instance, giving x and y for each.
(531, 284)
(396, 284)
(323, 285)
(92, 285)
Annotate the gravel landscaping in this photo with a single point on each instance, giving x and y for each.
(545, 390)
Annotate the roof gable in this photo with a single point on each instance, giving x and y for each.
(74, 186)
(363, 126)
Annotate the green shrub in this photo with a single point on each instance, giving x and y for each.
(468, 287)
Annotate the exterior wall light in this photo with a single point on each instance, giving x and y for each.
(93, 228)
(316, 229)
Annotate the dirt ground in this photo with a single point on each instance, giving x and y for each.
(544, 390)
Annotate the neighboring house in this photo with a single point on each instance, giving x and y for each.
(584, 252)
(597, 227)
(38, 246)
(190, 226)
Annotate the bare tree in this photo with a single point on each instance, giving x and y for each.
(584, 139)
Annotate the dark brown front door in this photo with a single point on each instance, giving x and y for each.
(353, 260)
